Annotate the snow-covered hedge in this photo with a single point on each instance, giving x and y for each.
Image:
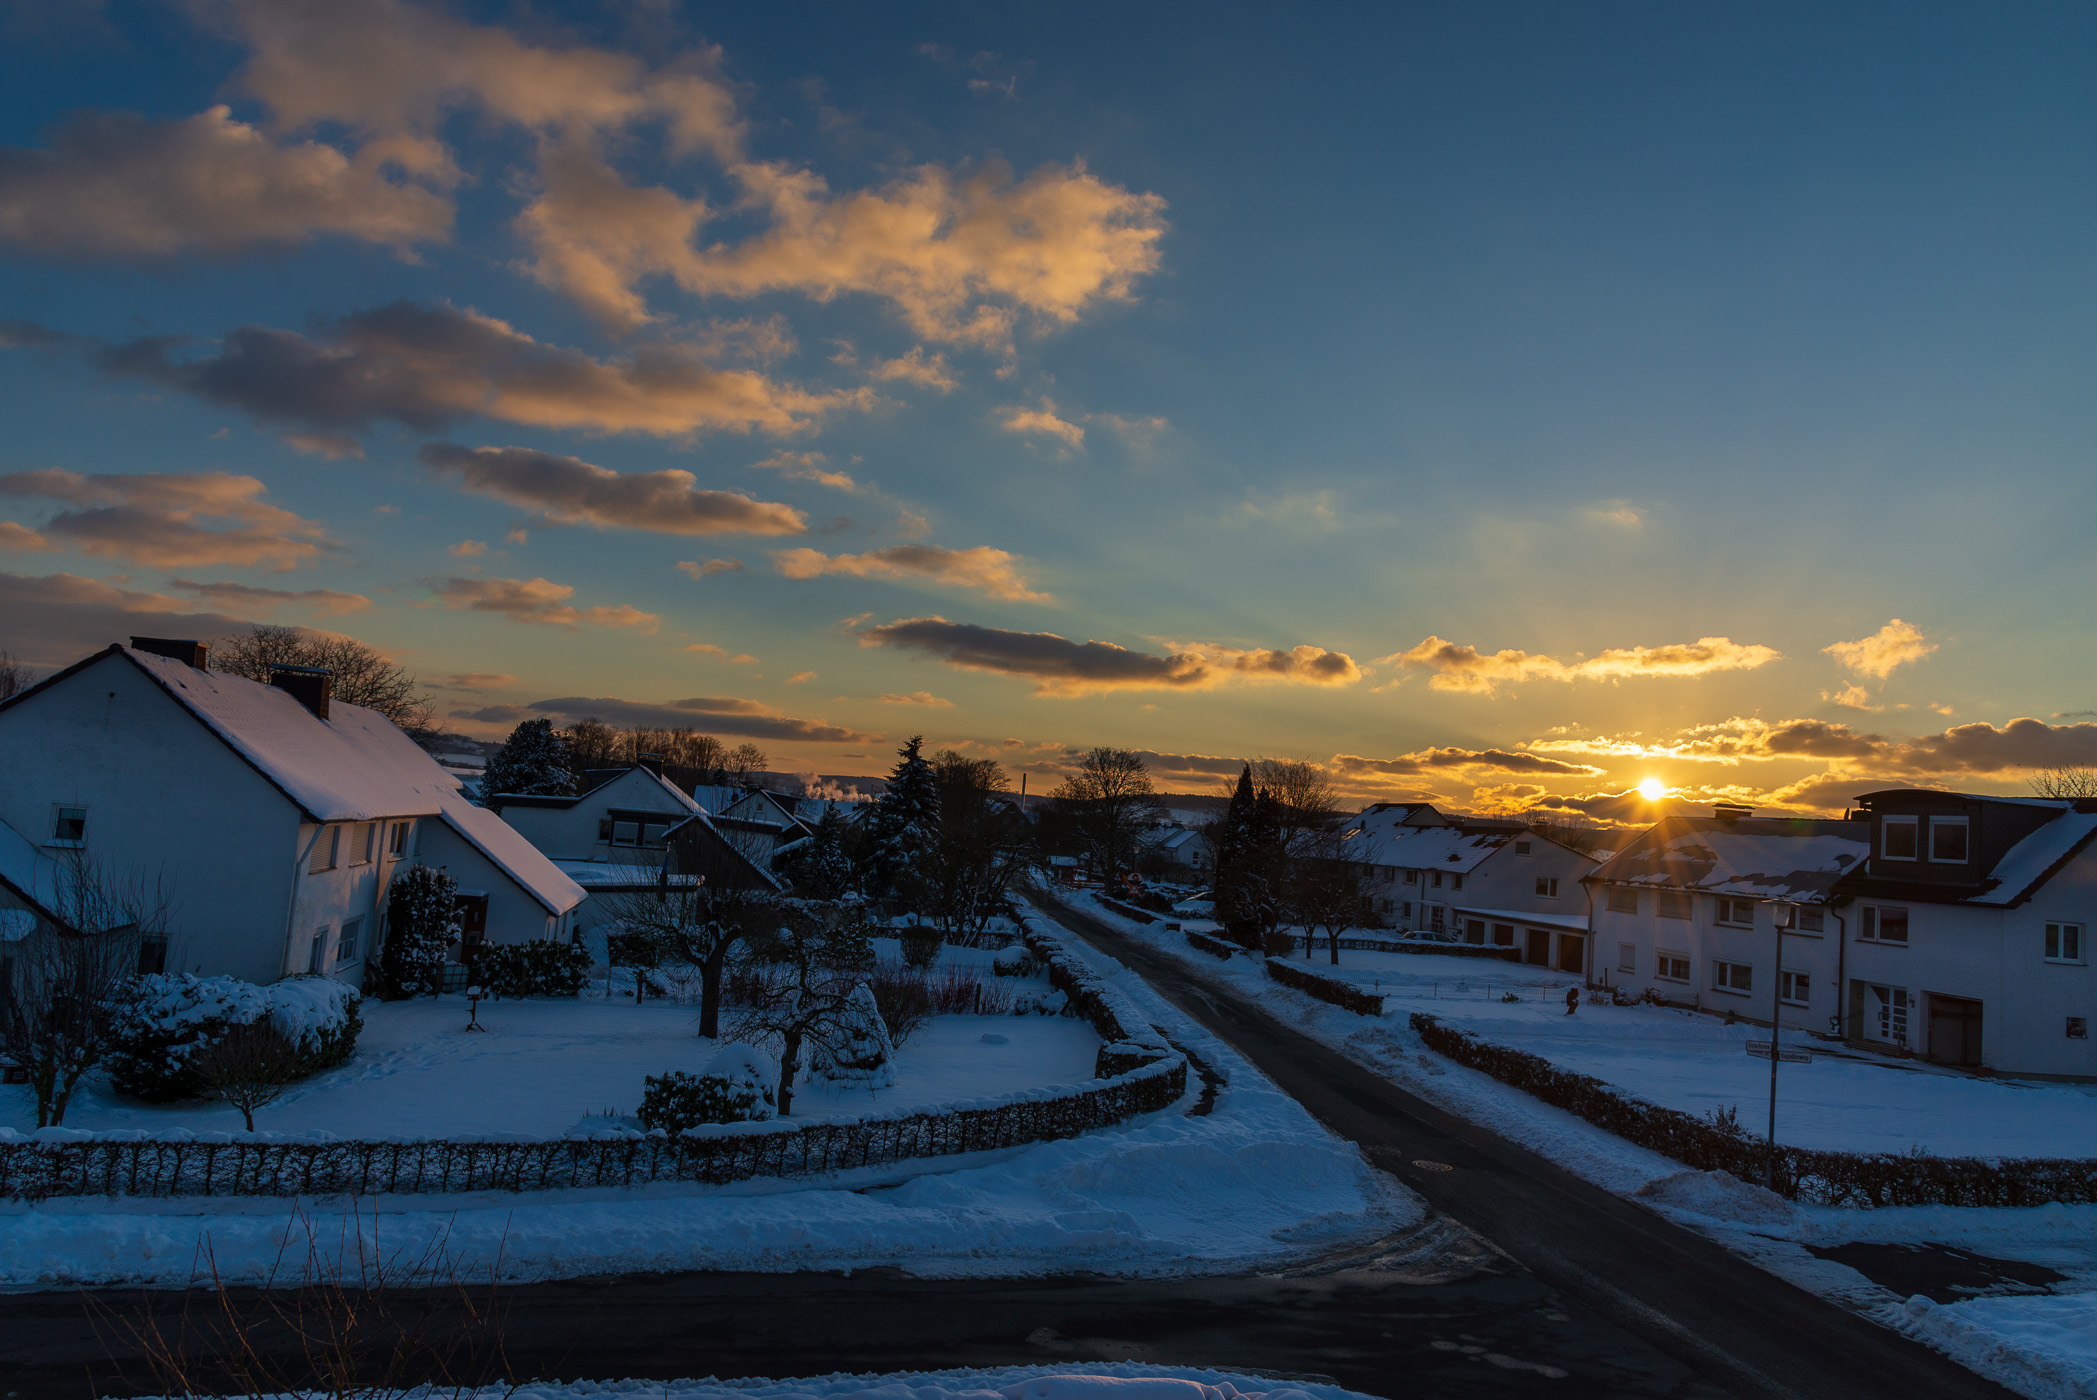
(539, 967)
(1126, 1039)
(1344, 995)
(1867, 1179)
(159, 1023)
(739, 1085)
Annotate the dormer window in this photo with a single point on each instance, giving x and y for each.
(1521, 848)
(1948, 838)
(69, 827)
(1900, 838)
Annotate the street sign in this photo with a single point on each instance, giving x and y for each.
(1760, 1050)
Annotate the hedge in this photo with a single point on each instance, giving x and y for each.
(1420, 945)
(1214, 947)
(1341, 994)
(1138, 1073)
(1863, 1179)
(1127, 911)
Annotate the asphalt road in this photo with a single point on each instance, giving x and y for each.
(1577, 1294)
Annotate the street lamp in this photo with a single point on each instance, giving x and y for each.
(1784, 914)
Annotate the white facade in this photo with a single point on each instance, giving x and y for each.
(273, 833)
(1485, 885)
(624, 820)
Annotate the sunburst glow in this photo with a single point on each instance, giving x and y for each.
(1652, 789)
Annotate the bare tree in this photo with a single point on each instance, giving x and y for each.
(249, 1067)
(978, 848)
(359, 674)
(804, 1009)
(56, 980)
(1306, 803)
(14, 676)
(1325, 891)
(743, 764)
(699, 921)
(2066, 781)
(1110, 803)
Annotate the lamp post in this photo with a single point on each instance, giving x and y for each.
(1784, 914)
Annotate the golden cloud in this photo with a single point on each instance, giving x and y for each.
(169, 520)
(992, 571)
(572, 491)
(1464, 668)
(537, 600)
(1042, 420)
(1877, 655)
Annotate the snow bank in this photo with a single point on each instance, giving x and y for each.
(2043, 1347)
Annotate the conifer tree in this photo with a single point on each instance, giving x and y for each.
(533, 762)
(822, 869)
(422, 922)
(906, 820)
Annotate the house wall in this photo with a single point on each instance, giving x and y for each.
(167, 802)
(1706, 942)
(571, 832)
(514, 916)
(323, 901)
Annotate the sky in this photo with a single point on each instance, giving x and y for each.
(1503, 405)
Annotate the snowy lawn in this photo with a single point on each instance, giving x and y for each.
(1090, 1380)
(1255, 1183)
(2042, 1345)
(1844, 1100)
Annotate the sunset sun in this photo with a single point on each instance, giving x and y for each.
(1652, 789)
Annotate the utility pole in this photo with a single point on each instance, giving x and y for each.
(1782, 913)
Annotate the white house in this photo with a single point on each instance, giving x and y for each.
(1511, 887)
(272, 816)
(1183, 849)
(1948, 925)
(627, 825)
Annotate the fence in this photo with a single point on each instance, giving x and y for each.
(1341, 994)
(1138, 1073)
(1419, 945)
(1867, 1179)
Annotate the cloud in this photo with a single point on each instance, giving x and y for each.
(1309, 511)
(426, 366)
(1730, 741)
(745, 718)
(982, 568)
(709, 649)
(1967, 749)
(1877, 655)
(467, 549)
(1463, 668)
(806, 466)
(333, 446)
(572, 491)
(114, 185)
(56, 619)
(496, 714)
(918, 697)
(707, 568)
(1176, 764)
(1430, 760)
(1850, 697)
(916, 367)
(800, 678)
(1042, 421)
(1621, 515)
(1060, 666)
(170, 521)
(475, 680)
(21, 537)
(1982, 748)
(537, 600)
(1139, 434)
(245, 598)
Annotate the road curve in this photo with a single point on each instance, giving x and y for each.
(1728, 1321)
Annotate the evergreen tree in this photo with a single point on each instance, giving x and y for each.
(422, 922)
(822, 869)
(1249, 856)
(533, 762)
(906, 822)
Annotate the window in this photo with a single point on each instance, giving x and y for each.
(626, 833)
(324, 845)
(1948, 840)
(1405, 910)
(1412, 877)
(2064, 943)
(399, 846)
(318, 950)
(2078, 1028)
(1887, 1010)
(69, 826)
(346, 941)
(1622, 900)
(1521, 848)
(1437, 880)
(1732, 977)
(1672, 967)
(1738, 912)
(1899, 838)
(152, 954)
(1547, 887)
(1674, 904)
(1456, 882)
(1812, 920)
(1627, 957)
(362, 839)
(1883, 925)
(1796, 988)
(1434, 918)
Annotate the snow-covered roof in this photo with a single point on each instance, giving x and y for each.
(1453, 848)
(1756, 858)
(516, 857)
(2031, 860)
(355, 765)
(609, 874)
(1170, 838)
(32, 875)
(1572, 923)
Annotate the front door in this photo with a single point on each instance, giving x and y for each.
(1955, 1029)
(473, 923)
(1539, 949)
(1569, 951)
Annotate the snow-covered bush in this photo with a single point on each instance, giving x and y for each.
(540, 967)
(1013, 960)
(857, 1049)
(739, 1085)
(921, 944)
(422, 922)
(161, 1022)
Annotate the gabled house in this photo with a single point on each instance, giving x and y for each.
(1689, 911)
(1183, 850)
(274, 816)
(629, 819)
(762, 824)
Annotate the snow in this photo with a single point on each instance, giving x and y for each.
(2039, 1345)
(2036, 854)
(1256, 1183)
(1758, 858)
(545, 1067)
(32, 874)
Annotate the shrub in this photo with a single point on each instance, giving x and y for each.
(162, 1022)
(1277, 943)
(921, 944)
(1340, 994)
(858, 1048)
(739, 1085)
(904, 999)
(540, 967)
(1202, 943)
(1013, 960)
(422, 922)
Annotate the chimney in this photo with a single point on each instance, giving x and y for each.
(309, 685)
(653, 762)
(1730, 811)
(187, 651)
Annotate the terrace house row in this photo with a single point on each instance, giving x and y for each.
(1947, 925)
(1501, 885)
(273, 816)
